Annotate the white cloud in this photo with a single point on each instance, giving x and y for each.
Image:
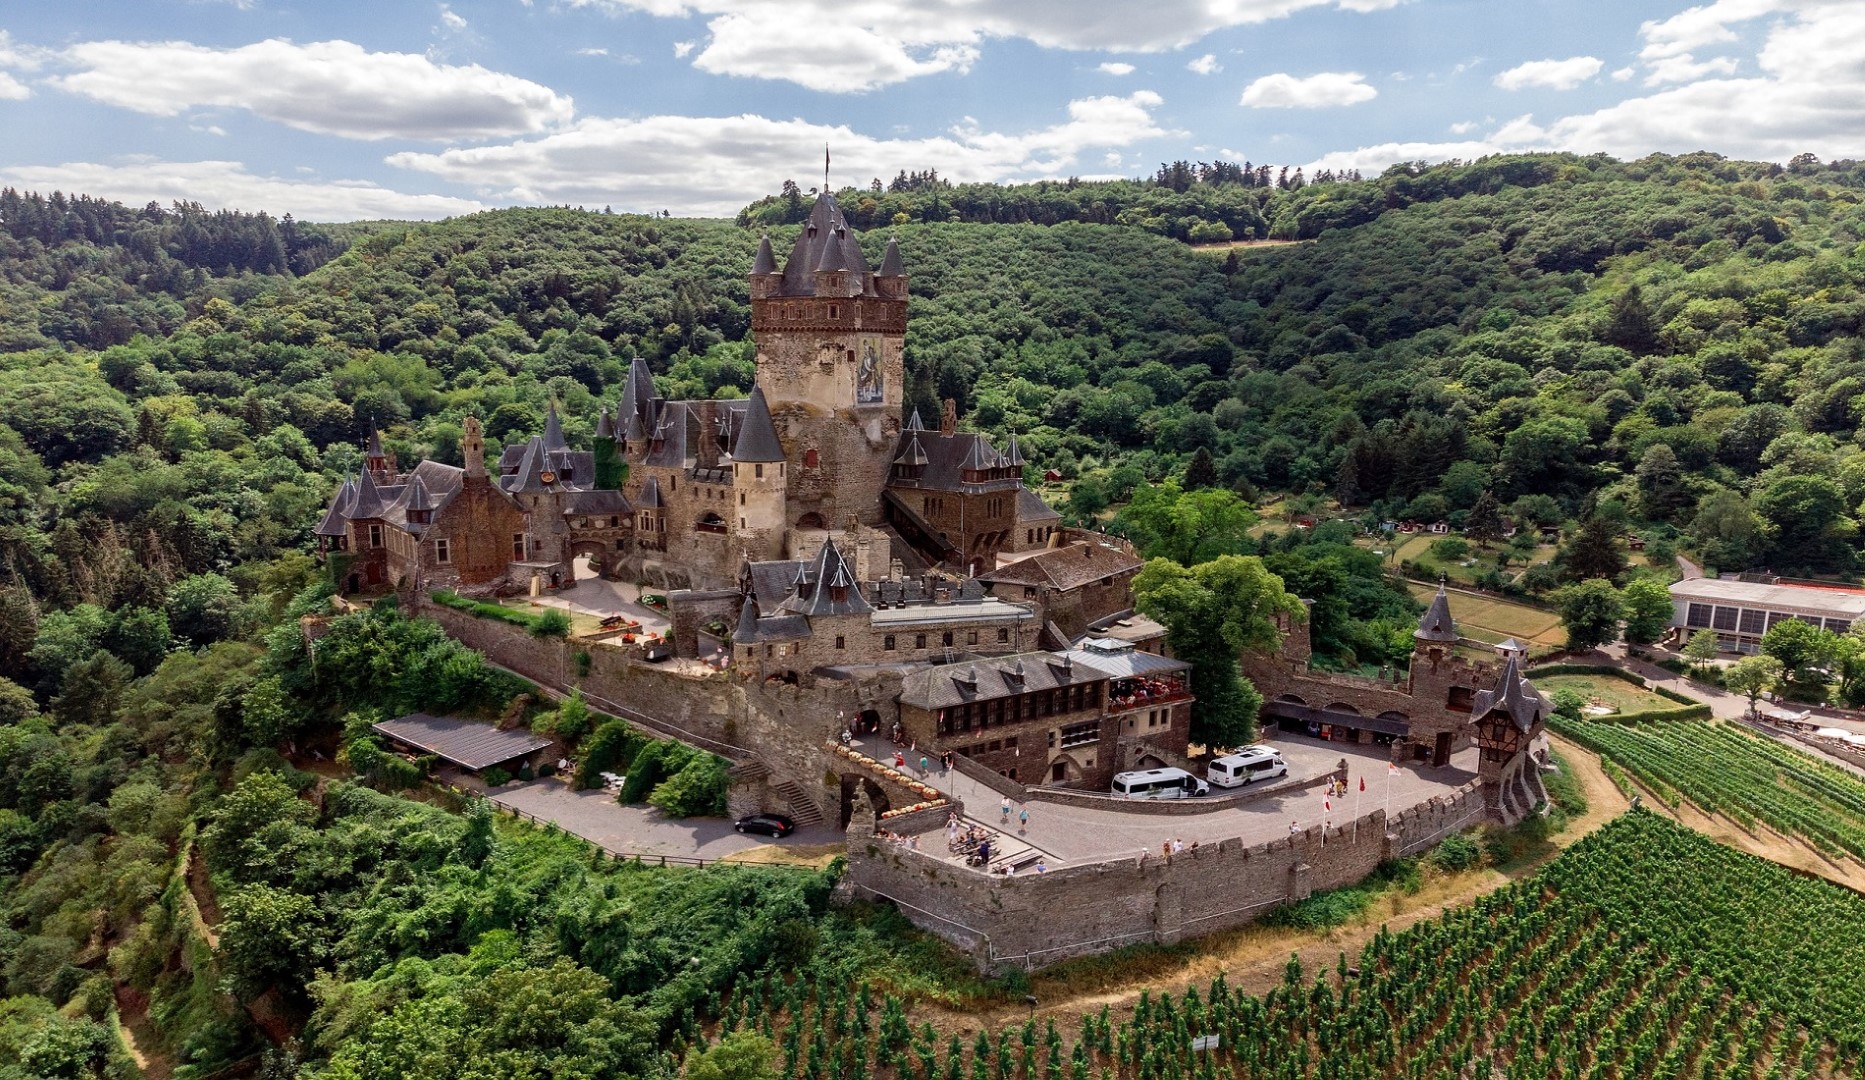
(681, 48)
(1328, 89)
(714, 165)
(1707, 24)
(1624, 73)
(877, 42)
(217, 184)
(330, 87)
(1687, 68)
(592, 52)
(1810, 98)
(1552, 74)
(1463, 128)
(12, 89)
(1205, 65)
(452, 19)
(1115, 67)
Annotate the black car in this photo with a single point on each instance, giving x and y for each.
(768, 824)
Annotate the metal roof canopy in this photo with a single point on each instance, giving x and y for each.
(467, 743)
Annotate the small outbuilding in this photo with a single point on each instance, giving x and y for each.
(470, 744)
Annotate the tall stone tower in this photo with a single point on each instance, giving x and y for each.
(758, 478)
(830, 331)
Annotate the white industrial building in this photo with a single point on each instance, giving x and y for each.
(1742, 611)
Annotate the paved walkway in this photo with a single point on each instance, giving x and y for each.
(639, 830)
(1076, 834)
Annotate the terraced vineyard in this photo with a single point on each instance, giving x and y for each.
(1725, 769)
(1645, 951)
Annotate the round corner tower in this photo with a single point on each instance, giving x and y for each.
(830, 333)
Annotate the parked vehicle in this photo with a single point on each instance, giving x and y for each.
(766, 824)
(1159, 784)
(1247, 766)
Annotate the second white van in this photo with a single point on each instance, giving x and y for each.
(1246, 766)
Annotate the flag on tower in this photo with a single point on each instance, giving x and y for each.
(1327, 804)
(1392, 768)
(1363, 783)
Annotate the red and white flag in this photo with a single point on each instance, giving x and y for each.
(1327, 804)
(1392, 768)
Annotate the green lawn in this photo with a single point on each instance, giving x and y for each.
(1500, 618)
(1617, 693)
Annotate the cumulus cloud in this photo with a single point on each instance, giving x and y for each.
(714, 165)
(1687, 68)
(229, 184)
(1205, 65)
(12, 89)
(878, 42)
(1552, 74)
(1809, 97)
(329, 87)
(1115, 67)
(1328, 89)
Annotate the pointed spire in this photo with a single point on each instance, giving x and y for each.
(747, 621)
(374, 446)
(553, 430)
(766, 262)
(912, 455)
(368, 497)
(632, 429)
(604, 428)
(833, 259)
(1514, 694)
(914, 423)
(416, 498)
(890, 261)
(1437, 625)
(1013, 456)
(336, 519)
(757, 437)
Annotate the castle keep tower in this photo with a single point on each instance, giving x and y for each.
(830, 330)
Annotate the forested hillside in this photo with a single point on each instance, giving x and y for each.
(1670, 345)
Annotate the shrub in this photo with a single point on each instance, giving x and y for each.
(660, 760)
(613, 748)
(551, 624)
(697, 789)
(496, 777)
(1457, 853)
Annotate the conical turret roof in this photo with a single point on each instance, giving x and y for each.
(747, 620)
(374, 444)
(826, 229)
(605, 429)
(336, 519)
(890, 261)
(912, 454)
(1515, 695)
(553, 430)
(757, 437)
(1013, 455)
(914, 423)
(368, 502)
(766, 262)
(1437, 625)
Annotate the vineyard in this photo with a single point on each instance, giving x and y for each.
(1724, 769)
(1645, 951)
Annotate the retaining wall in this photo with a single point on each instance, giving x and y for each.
(1031, 921)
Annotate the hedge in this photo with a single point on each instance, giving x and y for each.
(1587, 669)
(449, 598)
(1645, 716)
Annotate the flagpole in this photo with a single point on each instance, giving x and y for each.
(1356, 809)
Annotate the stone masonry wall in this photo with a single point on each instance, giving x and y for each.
(1031, 921)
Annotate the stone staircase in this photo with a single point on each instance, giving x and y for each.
(803, 809)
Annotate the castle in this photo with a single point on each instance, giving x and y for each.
(833, 569)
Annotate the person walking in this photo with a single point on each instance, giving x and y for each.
(925, 767)
(1023, 821)
(1004, 807)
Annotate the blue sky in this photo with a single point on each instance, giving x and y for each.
(337, 110)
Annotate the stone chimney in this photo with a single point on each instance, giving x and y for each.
(473, 447)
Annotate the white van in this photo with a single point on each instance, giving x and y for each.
(1246, 766)
(1159, 784)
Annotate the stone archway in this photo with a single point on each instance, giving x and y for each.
(812, 520)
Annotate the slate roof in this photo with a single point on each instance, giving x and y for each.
(369, 502)
(1515, 695)
(672, 437)
(890, 261)
(651, 493)
(605, 428)
(1127, 663)
(1066, 568)
(770, 581)
(766, 262)
(553, 430)
(374, 446)
(467, 743)
(1437, 624)
(826, 243)
(756, 629)
(1031, 507)
(336, 520)
(947, 457)
(987, 680)
(757, 435)
(597, 502)
(823, 579)
(634, 412)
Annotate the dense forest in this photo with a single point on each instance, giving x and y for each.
(1670, 345)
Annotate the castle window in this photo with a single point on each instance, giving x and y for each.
(919, 641)
(621, 545)
(811, 460)
(518, 546)
(615, 523)
(887, 643)
(757, 472)
(851, 356)
(835, 312)
(741, 498)
(973, 639)
(840, 641)
(948, 639)
(443, 552)
(1003, 633)
(375, 536)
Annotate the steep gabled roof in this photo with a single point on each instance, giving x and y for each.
(532, 466)
(369, 502)
(1515, 695)
(1437, 625)
(632, 414)
(651, 494)
(336, 520)
(912, 455)
(1013, 454)
(831, 585)
(987, 680)
(757, 436)
(948, 457)
(1031, 508)
(672, 432)
(374, 445)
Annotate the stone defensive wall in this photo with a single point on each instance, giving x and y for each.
(1030, 920)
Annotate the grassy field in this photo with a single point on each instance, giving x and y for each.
(1617, 693)
(1486, 619)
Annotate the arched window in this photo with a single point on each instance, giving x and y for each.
(811, 459)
